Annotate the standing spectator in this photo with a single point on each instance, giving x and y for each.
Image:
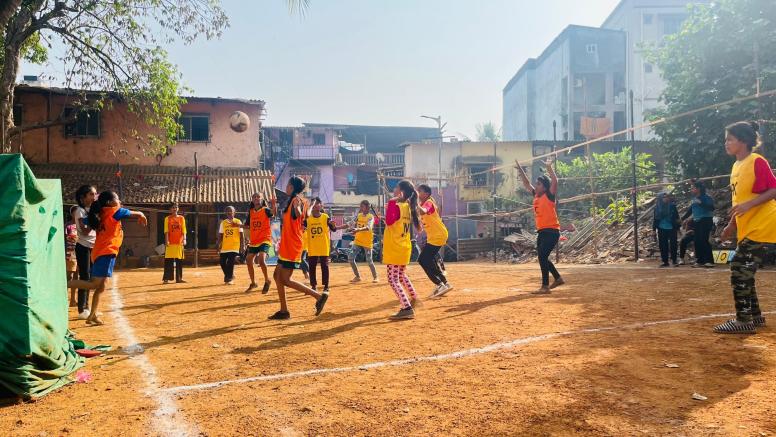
(71, 264)
(230, 243)
(666, 224)
(84, 197)
(174, 242)
(701, 213)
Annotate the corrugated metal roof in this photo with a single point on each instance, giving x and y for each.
(161, 185)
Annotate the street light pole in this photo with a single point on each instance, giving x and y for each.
(440, 133)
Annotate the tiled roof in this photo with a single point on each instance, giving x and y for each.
(160, 185)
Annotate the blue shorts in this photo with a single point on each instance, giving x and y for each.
(103, 266)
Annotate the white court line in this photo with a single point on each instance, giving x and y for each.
(441, 357)
(167, 418)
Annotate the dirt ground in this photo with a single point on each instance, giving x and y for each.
(588, 359)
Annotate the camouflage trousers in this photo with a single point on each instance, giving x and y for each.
(743, 267)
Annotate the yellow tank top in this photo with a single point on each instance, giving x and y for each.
(364, 238)
(397, 244)
(759, 223)
(231, 238)
(436, 232)
(319, 240)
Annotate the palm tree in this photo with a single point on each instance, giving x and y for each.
(488, 132)
(298, 6)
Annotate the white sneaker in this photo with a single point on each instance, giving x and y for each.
(83, 315)
(375, 281)
(436, 290)
(443, 290)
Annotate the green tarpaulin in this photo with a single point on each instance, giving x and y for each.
(35, 355)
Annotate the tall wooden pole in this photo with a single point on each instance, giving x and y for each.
(635, 187)
(196, 211)
(495, 238)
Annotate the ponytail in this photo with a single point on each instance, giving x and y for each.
(408, 189)
(93, 219)
(298, 184)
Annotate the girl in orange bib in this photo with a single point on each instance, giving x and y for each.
(290, 251)
(547, 224)
(752, 220)
(105, 216)
(259, 223)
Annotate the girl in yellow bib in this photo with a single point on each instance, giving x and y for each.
(753, 219)
(318, 225)
(436, 238)
(363, 242)
(400, 217)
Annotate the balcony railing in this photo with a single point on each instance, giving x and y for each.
(371, 159)
(314, 153)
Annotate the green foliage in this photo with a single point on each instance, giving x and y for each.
(718, 55)
(114, 48)
(611, 171)
(488, 132)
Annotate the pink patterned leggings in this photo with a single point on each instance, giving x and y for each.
(397, 278)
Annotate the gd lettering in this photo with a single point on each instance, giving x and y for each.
(316, 230)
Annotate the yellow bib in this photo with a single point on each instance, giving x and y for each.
(759, 223)
(436, 232)
(397, 245)
(319, 240)
(364, 238)
(231, 238)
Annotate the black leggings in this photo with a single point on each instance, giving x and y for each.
(702, 246)
(169, 265)
(313, 261)
(666, 239)
(227, 265)
(429, 260)
(83, 256)
(545, 243)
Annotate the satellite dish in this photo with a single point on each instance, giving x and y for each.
(379, 157)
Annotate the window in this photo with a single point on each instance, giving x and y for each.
(671, 24)
(86, 124)
(647, 19)
(647, 67)
(319, 139)
(17, 115)
(478, 175)
(196, 127)
(591, 49)
(474, 208)
(590, 89)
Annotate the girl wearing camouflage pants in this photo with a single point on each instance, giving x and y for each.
(753, 219)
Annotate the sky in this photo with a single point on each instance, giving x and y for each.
(377, 62)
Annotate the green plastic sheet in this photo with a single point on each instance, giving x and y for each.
(35, 355)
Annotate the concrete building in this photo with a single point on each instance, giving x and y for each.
(578, 82)
(646, 22)
(97, 150)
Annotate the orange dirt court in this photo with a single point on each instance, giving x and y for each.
(619, 350)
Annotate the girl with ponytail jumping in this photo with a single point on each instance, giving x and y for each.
(436, 238)
(105, 216)
(290, 251)
(400, 217)
(752, 220)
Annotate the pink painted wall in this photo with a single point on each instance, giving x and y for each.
(226, 148)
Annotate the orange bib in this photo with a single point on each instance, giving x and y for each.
(261, 229)
(291, 234)
(546, 215)
(110, 235)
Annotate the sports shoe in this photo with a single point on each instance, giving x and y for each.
(83, 315)
(180, 281)
(165, 282)
(709, 265)
(252, 287)
(280, 315)
(443, 289)
(696, 265)
(404, 314)
(375, 280)
(435, 290)
(680, 263)
(664, 265)
(544, 290)
(355, 280)
(326, 290)
(733, 326)
(759, 322)
(265, 289)
(321, 303)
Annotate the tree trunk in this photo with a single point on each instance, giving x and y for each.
(7, 83)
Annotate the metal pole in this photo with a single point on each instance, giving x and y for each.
(555, 165)
(635, 185)
(495, 209)
(196, 212)
(457, 231)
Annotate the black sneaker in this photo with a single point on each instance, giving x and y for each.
(280, 315)
(759, 321)
(735, 327)
(265, 289)
(664, 265)
(321, 303)
(404, 314)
